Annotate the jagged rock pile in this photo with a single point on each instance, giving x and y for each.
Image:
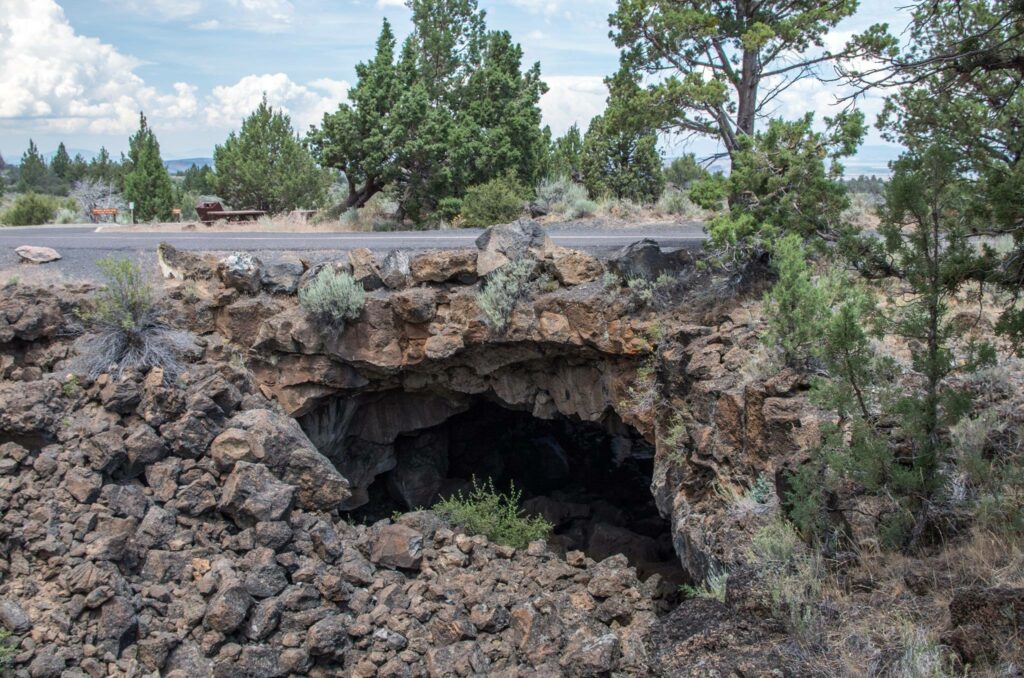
(190, 529)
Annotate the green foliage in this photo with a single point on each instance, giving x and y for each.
(127, 296)
(70, 387)
(499, 201)
(30, 209)
(494, 515)
(793, 575)
(621, 161)
(61, 163)
(266, 167)
(199, 180)
(780, 184)
(706, 59)
(795, 307)
(333, 297)
(455, 109)
(503, 289)
(560, 195)
(685, 170)
(567, 154)
(714, 587)
(102, 168)
(33, 174)
(128, 332)
(146, 181)
(8, 650)
(678, 203)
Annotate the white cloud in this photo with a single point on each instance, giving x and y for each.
(391, 3)
(572, 99)
(168, 9)
(228, 105)
(59, 80)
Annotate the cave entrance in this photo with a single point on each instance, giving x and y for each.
(590, 480)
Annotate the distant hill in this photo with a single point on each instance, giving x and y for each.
(87, 154)
(182, 164)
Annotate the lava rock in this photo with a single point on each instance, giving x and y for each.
(241, 271)
(283, 276)
(13, 617)
(394, 270)
(252, 494)
(397, 546)
(328, 637)
(227, 610)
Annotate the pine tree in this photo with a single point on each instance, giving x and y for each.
(102, 168)
(266, 167)
(61, 162)
(77, 169)
(146, 181)
(33, 174)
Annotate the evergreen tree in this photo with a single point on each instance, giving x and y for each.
(33, 174)
(266, 167)
(77, 169)
(199, 180)
(456, 109)
(61, 162)
(685, 170)
(622, 162)
(102, 168)
(363, 139)
(780, 183)
(146, 181)
(716, 65)
(567, 154)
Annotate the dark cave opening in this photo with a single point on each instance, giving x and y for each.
(590, 480)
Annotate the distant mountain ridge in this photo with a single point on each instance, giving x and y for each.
(182, 164)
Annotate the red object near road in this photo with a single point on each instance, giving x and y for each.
(210, 212)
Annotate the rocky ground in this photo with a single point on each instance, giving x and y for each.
(200, 524)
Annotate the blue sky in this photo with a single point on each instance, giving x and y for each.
(79, 70)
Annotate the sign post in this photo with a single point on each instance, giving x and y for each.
(131, 208)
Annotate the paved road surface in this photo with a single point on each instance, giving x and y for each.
(81, 246)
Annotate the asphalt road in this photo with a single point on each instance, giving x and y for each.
(82, 246)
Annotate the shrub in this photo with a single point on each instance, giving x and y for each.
(333, 297)
(563, 196)
(499, 201)
(793, 575)
(677, 203)
(584, 207)
(448, 209)
(795, 307)
(129, 334)
(503, 289)
(30, 209)
(494, 515)
(714, 586)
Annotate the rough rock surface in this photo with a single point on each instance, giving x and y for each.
(37, 255)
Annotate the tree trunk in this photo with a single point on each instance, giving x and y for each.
(359, 197)
(747, 93)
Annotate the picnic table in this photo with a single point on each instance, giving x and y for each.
(210, 212)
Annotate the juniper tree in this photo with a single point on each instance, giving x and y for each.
(265, 166)
(567, 154)
(146, 181)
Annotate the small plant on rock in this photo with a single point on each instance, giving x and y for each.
(495, 515)
(8, 649)
(333, 297)
(713, 588)
(503, 289)
(129, 334)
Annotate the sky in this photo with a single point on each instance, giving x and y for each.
(79, 71)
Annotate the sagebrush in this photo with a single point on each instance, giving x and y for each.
(128, 331)
(503, 289)
(333, 297)
(493, 514)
